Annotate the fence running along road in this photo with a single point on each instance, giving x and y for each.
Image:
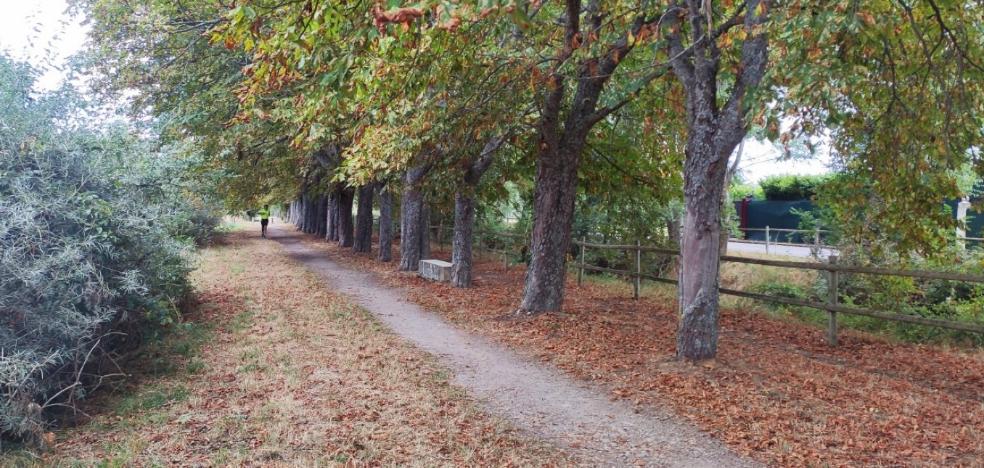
(832, 269)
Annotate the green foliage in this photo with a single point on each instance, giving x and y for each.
(938, 299)
(741, 191)
(791, 187)
(95, 239)
(902, 116)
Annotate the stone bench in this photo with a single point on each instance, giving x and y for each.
(435, 270)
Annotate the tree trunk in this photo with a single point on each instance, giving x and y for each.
(329, 209)
(333, 208)
(322, 215)
(345, 228)
(553, 215)
(412, 219)
(425, 230)
(464, 214)
(461, 250)
(385, 224)
(363, 219)
(700, 256)
(713, 133)
(312, 221)
(305, 213)
(299, 221)
(563, 131)
(299, 212)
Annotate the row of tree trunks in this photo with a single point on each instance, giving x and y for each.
(363, 219)
(292, 212)
(385, 224)
(308, 213)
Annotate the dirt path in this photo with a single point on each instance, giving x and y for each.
(533, 397)
(273, 367)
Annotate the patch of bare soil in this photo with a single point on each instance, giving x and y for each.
(776, 392)
(293, 375)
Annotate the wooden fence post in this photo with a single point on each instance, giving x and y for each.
(580, 265)
(832, 299)
(767, 239)
(637, 284)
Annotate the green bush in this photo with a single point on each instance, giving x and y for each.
(741, 191)
(791, 187)
(94, 254)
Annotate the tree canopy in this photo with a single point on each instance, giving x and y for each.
(632, 104)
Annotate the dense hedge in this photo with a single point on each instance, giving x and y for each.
(94, 255)
(791, 187)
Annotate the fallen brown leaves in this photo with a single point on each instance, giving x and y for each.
(776, 392)
(295, 376)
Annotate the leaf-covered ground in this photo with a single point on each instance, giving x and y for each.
(289, 374)
(776, 392)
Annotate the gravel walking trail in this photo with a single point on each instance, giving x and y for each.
(535, 398)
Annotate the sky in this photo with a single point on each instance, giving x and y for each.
(41, 31)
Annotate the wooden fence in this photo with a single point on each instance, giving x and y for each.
(445, 235)
(815, 234)
(832, 269)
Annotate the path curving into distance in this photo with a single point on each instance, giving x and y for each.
(533, 397)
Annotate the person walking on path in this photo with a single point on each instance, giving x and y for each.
(264, 219)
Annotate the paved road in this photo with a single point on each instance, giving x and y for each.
(782, 250)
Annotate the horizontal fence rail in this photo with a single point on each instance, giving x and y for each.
(832, 269)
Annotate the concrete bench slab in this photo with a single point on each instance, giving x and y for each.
(435, 270)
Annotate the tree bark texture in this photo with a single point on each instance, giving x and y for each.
(464, 214)
(461, 250)
(346, 234)
(363, 219)
(713, 133)
(322, 216)
(425, 230)
(563, 132)
(306, 214)
(385, 224)
(334, 205)
(412, 218)
(553, 215)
